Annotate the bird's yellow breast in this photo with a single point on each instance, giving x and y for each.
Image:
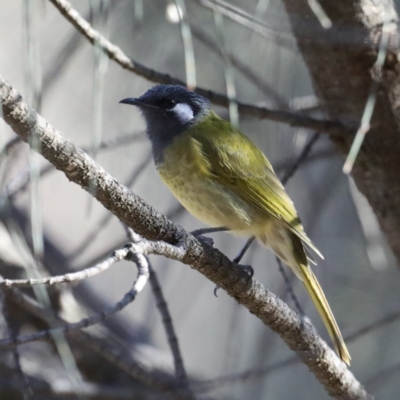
(193, 185)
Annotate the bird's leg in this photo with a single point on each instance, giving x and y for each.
(247, 268)
(199, 234)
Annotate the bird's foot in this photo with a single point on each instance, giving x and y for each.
(243, 251)
(199, 234)
(247, 268)
(204, 239)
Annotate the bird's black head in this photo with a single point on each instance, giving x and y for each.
(169, 110)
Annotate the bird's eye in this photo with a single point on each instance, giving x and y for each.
(168, 104)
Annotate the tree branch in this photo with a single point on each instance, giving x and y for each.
(69, 277)
(143, 274)
(117, 55)
(298, 334)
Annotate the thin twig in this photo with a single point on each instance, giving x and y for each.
(12, 329)
(101, 65)
(352, 35)
(61, 61)
(33, 76)
(248, 21)
(371, 101)
(387, 319)
(138, 258)
(320, 13)
(9, 146)
(228, 70)
(282, 166)
(162, 307)
(5, 153)
(290, 288)
(291, 170)
(170, 331)
(383, 375)
(186, 33)
(262, 371)
(118, 255)
(243, 377)
(260, 83)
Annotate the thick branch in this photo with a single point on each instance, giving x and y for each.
(300, 336)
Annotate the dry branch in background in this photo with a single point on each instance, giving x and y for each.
(110, 354)
(133, 252)
(177, 244)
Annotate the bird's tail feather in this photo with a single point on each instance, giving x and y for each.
(290, 249)
(317, 295)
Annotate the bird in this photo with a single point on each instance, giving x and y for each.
(223, 179)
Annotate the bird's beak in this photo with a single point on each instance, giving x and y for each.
(132, 101)
(136, 102)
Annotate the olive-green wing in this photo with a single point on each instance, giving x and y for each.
(236, 162)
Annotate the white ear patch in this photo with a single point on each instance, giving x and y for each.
(184, 112)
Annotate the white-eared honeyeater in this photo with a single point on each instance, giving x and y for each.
(223, 179)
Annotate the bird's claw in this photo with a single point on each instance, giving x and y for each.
(205, 239)
(199, 234)
(249, 269)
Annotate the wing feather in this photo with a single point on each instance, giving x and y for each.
(238, 164)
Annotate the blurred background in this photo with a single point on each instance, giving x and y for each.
(77, 89)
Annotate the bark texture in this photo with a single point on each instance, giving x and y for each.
(341, 64)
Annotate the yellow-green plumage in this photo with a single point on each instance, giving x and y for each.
(223, 179)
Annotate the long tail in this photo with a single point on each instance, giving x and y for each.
(317, 295)
(289, 248)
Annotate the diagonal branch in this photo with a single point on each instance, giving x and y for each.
(162, 306)
(179, 245)
(117, 55)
